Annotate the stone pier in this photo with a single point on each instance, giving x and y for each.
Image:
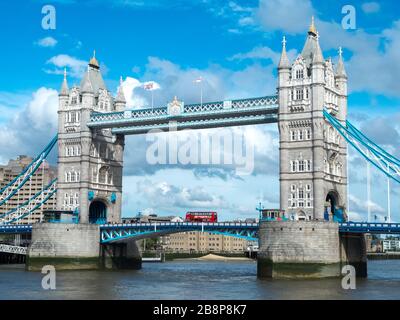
(77, 246)
(307, 249)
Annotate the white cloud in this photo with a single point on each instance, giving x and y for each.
(290, 16)
(47, 42)
(76, 67)
(261, 53)
(32, 127)
(359, 205)
(165, 195)
(371, 7)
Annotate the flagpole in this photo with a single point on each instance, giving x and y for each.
(201, 93)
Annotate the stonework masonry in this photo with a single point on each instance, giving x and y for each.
(313, 156)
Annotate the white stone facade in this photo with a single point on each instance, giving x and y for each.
(313, 156)
(90, 162)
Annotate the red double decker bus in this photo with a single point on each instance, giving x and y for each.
(209, 216)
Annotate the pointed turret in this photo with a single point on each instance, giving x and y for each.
(86, 85)
(94, 75)
(284, 62)
(120, 101)
(93, 62)
(340, 70)
(64, 91)
(312, 30)
(318, 56)
(120, 94)
(311, 47)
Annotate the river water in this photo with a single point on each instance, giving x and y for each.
(195, 280)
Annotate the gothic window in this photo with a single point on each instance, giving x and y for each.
(301, 194)
(299, 74)
(293, 187)
(293, 166)
(339, 169)
(103, 150)
(301, 165)
(308, 187)
(309, 166)
(308, 134)
(293, 135)
(299, 94)
(307, 93)
(105, 175)
(300, 135)
(94, 175)
(292, 95)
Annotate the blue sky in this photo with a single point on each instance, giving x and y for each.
(233, 45)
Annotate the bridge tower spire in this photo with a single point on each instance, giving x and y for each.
(89, 160)
(313, 175)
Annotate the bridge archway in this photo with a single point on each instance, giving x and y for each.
(98, 212)
(332, 202)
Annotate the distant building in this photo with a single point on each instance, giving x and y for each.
(391, 245)
(203, 242)
(42, 177)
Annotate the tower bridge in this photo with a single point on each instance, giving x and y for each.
(310, 110)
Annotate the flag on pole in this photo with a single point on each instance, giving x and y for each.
(199, 80)
(148, 86)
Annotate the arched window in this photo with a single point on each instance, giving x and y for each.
(301, 136)
(103, 175)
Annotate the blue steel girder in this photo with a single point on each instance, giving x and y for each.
(198, 116)
(113, 233)
(369, 227)
(15, 229)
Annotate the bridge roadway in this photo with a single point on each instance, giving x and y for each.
(196, 116)
(119, 232)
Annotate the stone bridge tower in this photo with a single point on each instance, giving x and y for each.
(313, 156)
(89, 161)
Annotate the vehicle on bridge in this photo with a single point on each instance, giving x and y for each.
(209, 216)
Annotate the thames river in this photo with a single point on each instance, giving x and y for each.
(195, 280)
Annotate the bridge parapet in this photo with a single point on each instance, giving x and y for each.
(209, 112)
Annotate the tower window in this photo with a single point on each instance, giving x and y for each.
(300, 134)
(301, 165)
(299, 74)
(293, 135)
(299, 94)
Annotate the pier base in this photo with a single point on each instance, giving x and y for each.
(306, 249)
(76, 247)
(125, 255)
(353, 251)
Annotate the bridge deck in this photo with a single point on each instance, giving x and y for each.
(196, 116)
(115, 232)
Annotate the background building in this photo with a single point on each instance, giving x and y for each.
(42, 177)
(203, 242)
